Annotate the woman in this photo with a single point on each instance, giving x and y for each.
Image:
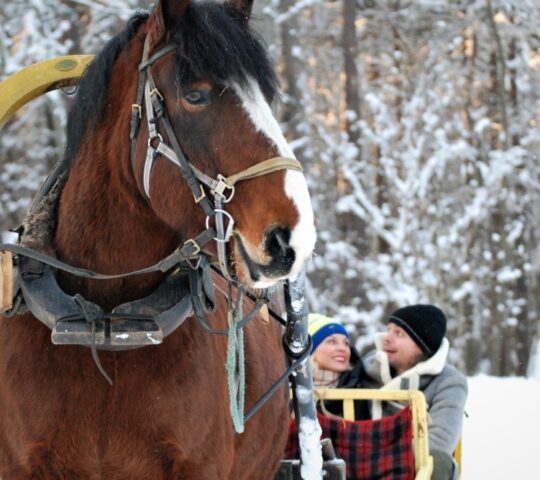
(335, 363)
(412, 355)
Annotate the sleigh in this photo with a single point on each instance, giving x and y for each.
(394, 447)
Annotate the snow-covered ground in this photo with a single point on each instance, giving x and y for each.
(501, 436)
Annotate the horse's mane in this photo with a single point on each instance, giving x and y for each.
(90, 101)
(213, 41)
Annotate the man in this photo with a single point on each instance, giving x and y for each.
(412, 355)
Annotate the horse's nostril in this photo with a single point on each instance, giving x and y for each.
(277, 246)
(277, 241)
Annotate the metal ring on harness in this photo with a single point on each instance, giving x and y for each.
(295, 355)
(230, 227)
(151, 139)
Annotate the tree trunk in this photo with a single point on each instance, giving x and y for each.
(293, 112)
(352, 81)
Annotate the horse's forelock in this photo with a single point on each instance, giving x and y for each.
(215, 42)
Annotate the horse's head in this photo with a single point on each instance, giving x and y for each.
(217, 83)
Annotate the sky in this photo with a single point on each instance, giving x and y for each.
(501, 435)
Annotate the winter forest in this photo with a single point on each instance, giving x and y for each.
(417, 124)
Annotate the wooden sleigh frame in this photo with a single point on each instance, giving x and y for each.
(415, 398)
(422, 459)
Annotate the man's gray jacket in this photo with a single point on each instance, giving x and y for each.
(444, 387)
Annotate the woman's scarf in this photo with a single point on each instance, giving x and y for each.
(324, 378)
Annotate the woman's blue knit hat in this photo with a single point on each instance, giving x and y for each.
(321, 327)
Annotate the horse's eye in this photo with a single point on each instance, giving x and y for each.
(197, 97)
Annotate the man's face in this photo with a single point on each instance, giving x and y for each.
(403, 353)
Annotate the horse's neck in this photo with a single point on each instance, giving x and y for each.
(106, 226)
(104, 223)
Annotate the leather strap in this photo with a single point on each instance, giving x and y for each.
(182, 255)
(168, 306)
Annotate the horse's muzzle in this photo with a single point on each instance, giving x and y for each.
(279, 258)
(282, 255)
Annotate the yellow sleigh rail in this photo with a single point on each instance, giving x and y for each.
(35, 80)
(422, 459)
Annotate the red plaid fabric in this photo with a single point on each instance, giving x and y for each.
(372, 449)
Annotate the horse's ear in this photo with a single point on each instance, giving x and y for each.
(244, 6)
(165, 17)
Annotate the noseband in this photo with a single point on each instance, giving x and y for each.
(222, 188)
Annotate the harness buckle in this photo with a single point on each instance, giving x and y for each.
(156, 92)
(221, 187)
(201, 197)
(195, 262)
(136, 108)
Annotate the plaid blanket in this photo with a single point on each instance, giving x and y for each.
(372, 449)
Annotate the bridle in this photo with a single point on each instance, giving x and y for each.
(222, 188)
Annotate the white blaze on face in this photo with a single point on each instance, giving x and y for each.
(303, 234)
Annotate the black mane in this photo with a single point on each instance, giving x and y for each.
(213, 41)
(91, 97)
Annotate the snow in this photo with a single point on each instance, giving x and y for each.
(8, 237)
(500, 435)
(310, 449)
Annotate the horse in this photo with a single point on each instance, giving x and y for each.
(125, 203)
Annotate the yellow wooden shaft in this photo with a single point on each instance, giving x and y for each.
(35, 80)
(348, 409)
(457, 455)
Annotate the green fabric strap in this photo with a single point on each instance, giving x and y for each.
(235, 351)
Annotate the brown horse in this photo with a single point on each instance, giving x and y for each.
(166, 416)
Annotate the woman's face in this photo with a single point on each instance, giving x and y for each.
(333, 353)
(403, 353)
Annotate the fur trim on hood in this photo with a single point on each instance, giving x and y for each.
(410, 379)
